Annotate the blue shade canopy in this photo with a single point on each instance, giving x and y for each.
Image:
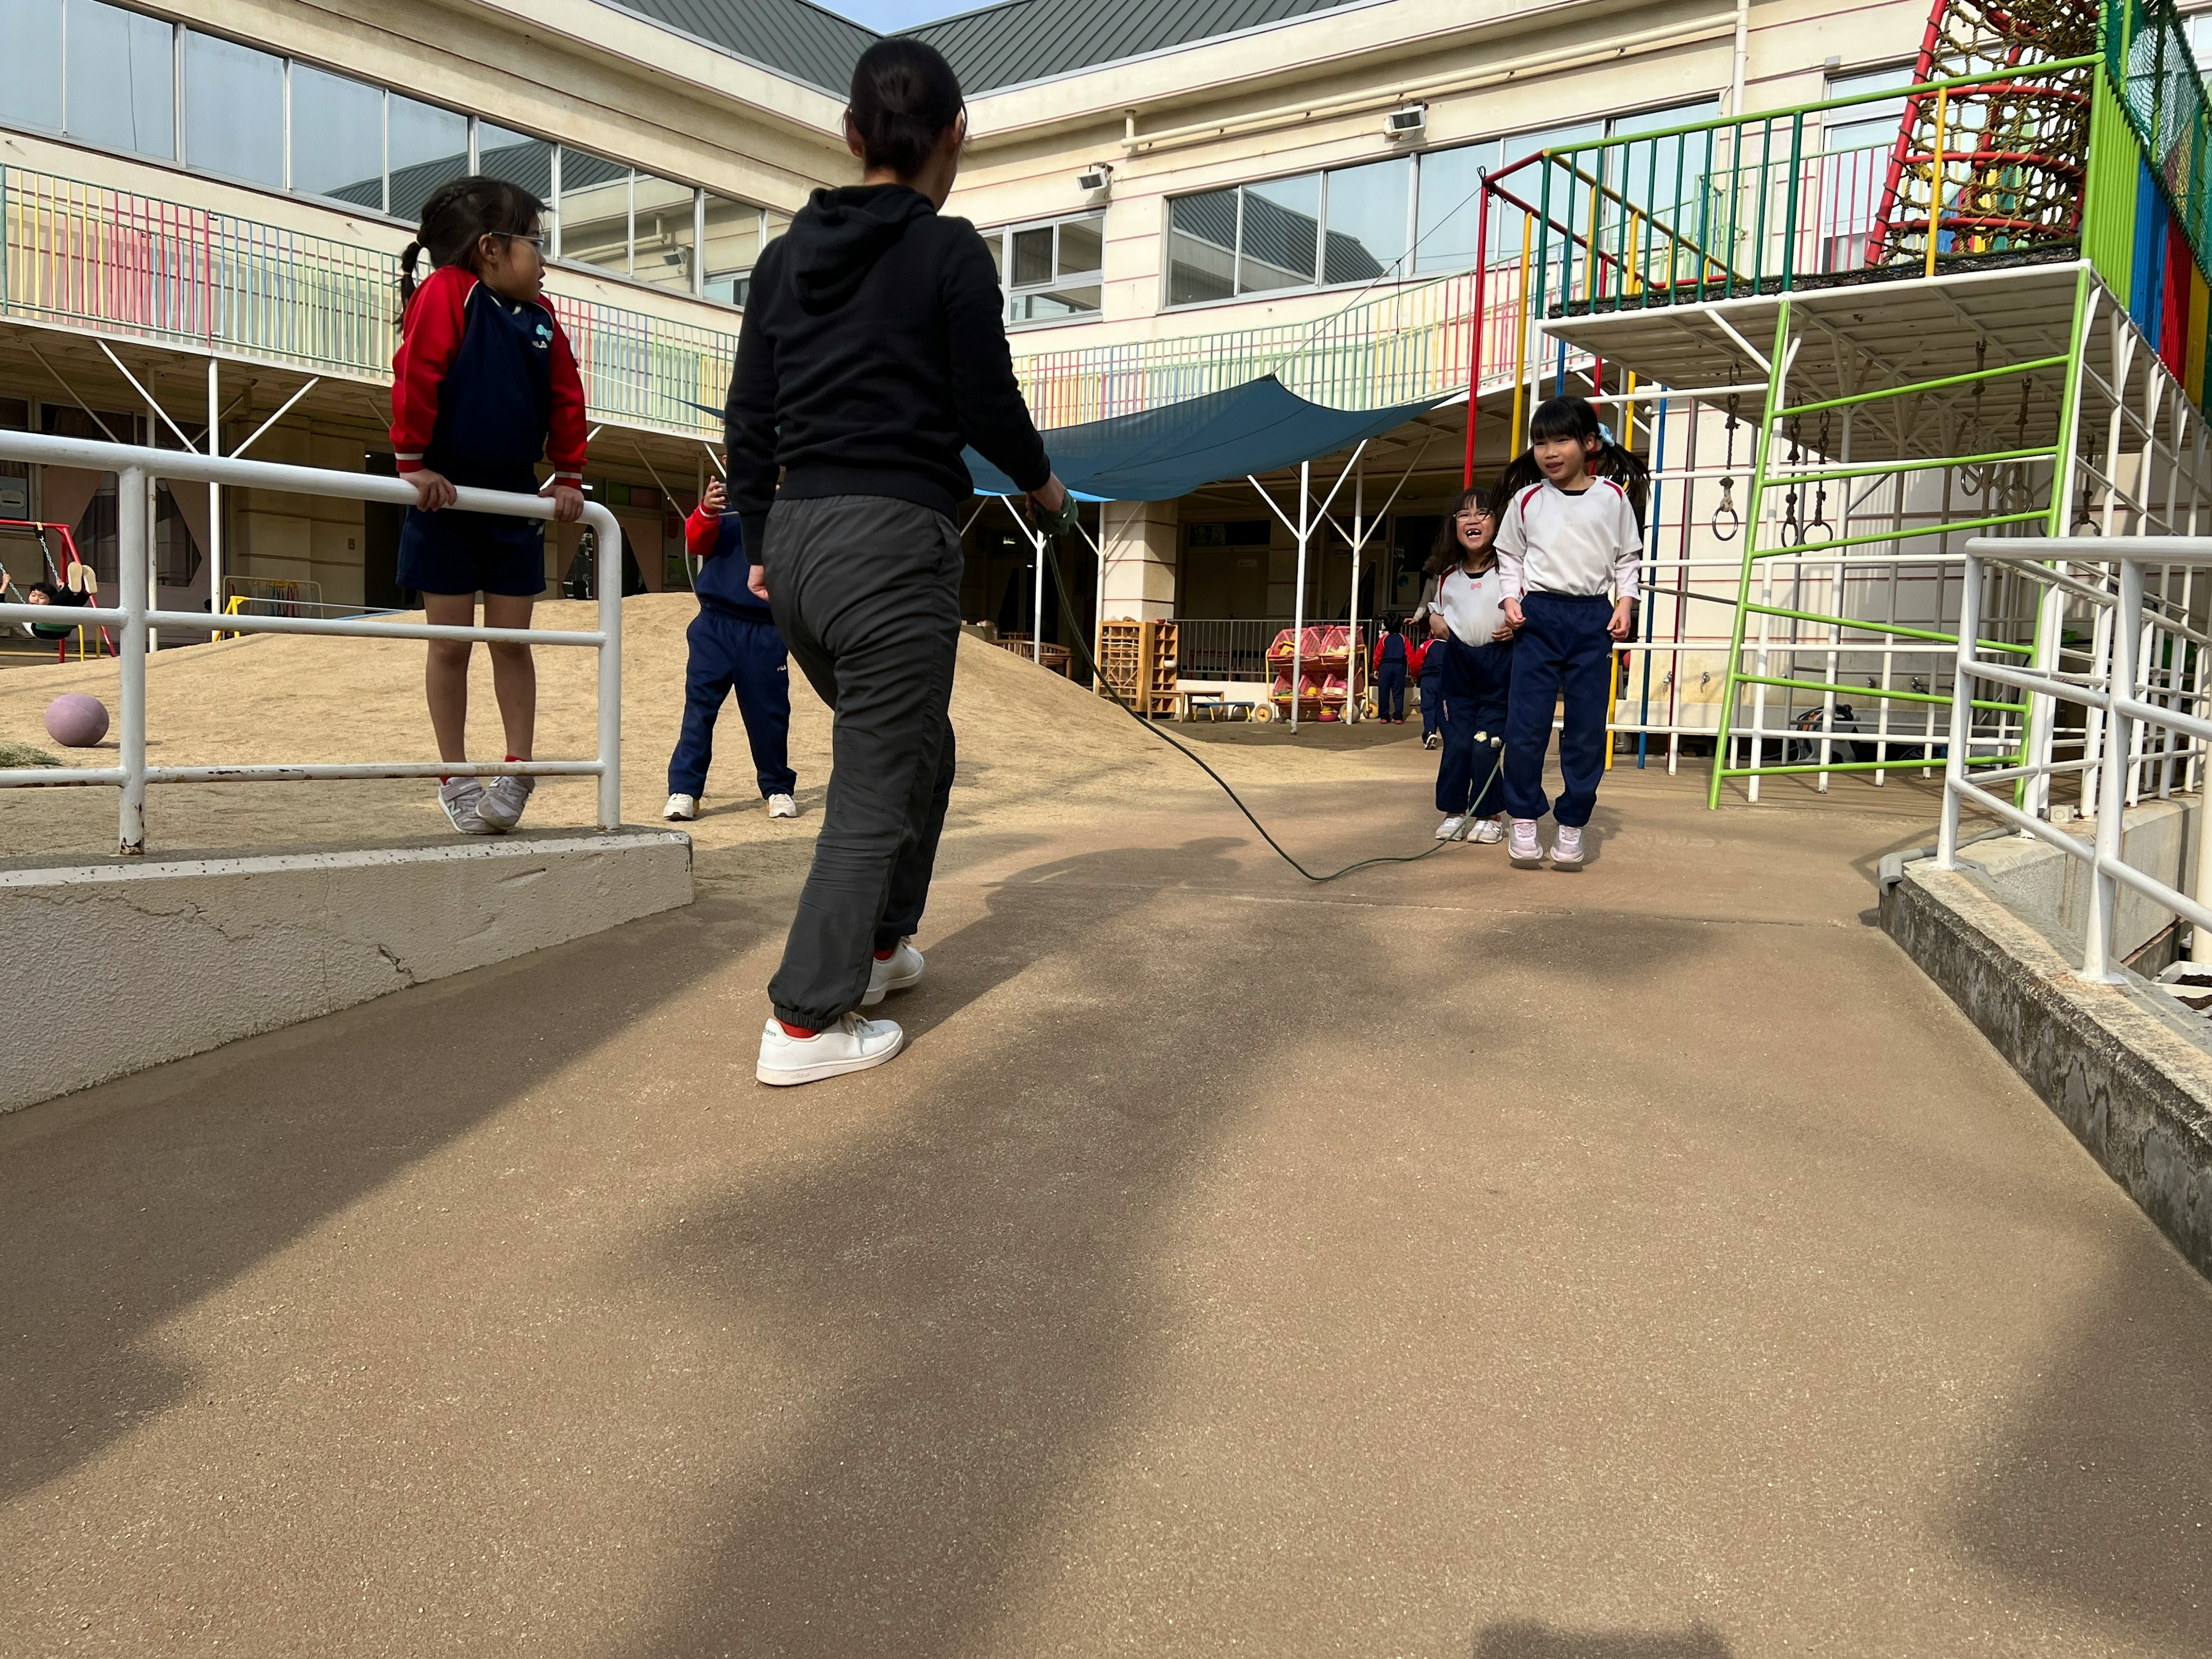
(1164, 454)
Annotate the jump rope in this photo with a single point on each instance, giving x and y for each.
(1056, 526)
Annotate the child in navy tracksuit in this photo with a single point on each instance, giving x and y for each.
(483, 385)
(1569, 542)
(1390, 661)
(1474, 647)
(1429, 668)
(734, 645)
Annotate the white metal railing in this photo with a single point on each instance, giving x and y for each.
(2134, 691)
(135, 468)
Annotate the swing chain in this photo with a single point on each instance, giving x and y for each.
(1793, 532)
(1971, 479)
(1820, 489)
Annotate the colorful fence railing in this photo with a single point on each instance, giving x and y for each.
(87, 256)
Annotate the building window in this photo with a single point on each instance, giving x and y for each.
(110, 76)
(338, 138)
(424, 148)
(233, 110)
(1853, 167)
(1050, 271)
(120, 88)
(1377, 221)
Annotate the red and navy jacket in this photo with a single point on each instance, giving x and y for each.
(1383, 651)
(482, 386)
(718, 542)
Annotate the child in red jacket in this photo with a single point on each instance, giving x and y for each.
(483, 385)
(733, 646)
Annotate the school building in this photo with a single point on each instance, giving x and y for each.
(201, 208)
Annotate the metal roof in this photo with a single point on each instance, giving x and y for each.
(1001, 46)
(804, 41)
(1023, 40)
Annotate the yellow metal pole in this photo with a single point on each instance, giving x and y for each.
(1936, 180)
(1611, 701)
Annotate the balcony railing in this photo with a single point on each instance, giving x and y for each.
(85, 256)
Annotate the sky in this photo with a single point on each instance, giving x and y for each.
(885, 15)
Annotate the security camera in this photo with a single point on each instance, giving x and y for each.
(1095, 185)
(1408, 124)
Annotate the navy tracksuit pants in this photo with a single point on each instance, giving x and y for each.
(1562, 652)
(1432, 690)
(1473, 686)
(733, 652)
(1391, 691)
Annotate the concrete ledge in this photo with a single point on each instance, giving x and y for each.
(114, 967)
(2125, 1067)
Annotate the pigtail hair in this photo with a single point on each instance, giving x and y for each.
(461, 214)
(408, 255)
(1519, 473)
(1620, 465)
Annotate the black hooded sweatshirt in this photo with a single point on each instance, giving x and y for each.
(873, 348)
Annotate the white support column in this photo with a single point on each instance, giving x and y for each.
(1037, 611)
(1298, 606)
(130, 526)
(146, 553)
(2103, 889)
(1962, 715)
(1352, 632)
(214, 491)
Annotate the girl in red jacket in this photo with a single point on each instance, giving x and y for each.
(483, 385)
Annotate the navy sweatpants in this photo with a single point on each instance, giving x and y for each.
(1391, 691)
(729, 652)
(1473, 688)
(1433, 694)
(1563, 652)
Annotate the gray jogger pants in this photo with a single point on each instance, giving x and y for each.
(866, 591)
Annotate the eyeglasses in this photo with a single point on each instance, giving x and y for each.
(538, 242)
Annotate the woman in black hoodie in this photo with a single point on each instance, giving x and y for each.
(873, 348)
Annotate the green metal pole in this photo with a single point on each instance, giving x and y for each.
(1789, 222)
(2034, 366)
(1775, 389)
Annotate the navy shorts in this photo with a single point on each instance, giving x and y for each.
(454, 552)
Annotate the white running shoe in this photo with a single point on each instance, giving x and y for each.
(1450, 827)
(1489, 831)
(852, 1044)
(1567, 848)
(783, 806)
(1432, 740)
(899, 971)
(681, 809)
(460, 797)
(1522, 847)
(503, 801)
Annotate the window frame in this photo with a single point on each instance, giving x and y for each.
(1409, 262)
(178, 158)
(1009, 291)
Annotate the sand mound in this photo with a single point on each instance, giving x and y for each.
(1029, 740)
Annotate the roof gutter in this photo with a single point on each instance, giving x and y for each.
(1712, 28)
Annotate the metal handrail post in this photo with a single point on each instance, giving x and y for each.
(130, 545)
(1962, 711)
(609, 572)
(2113, 783)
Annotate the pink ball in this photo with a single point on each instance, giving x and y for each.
(76, 719)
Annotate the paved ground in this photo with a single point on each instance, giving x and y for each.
(1457, 1262)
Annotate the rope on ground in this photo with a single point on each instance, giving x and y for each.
(1075, 634)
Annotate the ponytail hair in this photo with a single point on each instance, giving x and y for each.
(458, 216)
(904, 96)
(1448, 551)
(1573, 417)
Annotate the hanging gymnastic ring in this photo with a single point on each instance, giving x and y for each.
(1735, 519)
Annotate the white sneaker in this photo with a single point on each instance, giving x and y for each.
(681, 809)
(783, 806)
(1489, 831)
(1432, 741)
(1567, 848)
(460, 797)
(1450, 827)
(1522, 847)
(503, 801)
(852, 1044)
(899, 971)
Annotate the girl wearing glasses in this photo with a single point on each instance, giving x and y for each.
(484, 386)
(1471, 636)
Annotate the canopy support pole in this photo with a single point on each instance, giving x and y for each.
(1299, 609)
(1352, 632)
